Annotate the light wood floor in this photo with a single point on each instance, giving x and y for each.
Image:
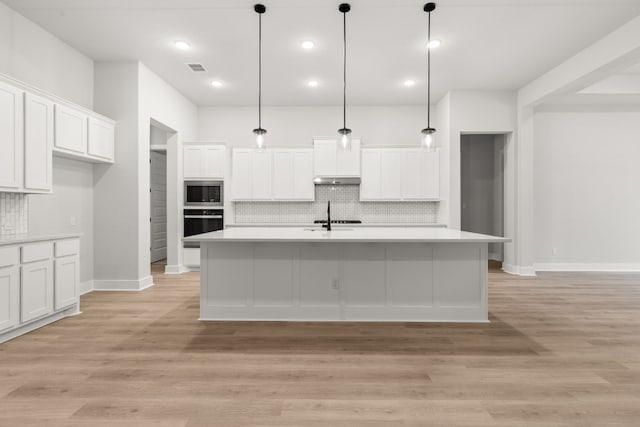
(562, 349)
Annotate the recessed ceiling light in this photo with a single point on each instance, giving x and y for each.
(182, 45)
(313, 83)
(216, 83)
(409, 83)
(433, 44)
(307, 44)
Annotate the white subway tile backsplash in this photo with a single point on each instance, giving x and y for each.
(345, 204)
(14, 214)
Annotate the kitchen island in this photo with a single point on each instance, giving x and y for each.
(352, 274)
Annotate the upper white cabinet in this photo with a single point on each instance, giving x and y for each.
(38, 144)
(71, 130)
(293, 174)
(101, 139)
(11, 138)
(399, 174)
(278, 174)
(204, 161)
(329, 161)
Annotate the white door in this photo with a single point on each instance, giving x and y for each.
(324, 157)
(67, 281)
(158, 205)
(71, 130)
(38, 143)
(371, 168)
(101, 139)
(192, 162)
(241, 172)
(303, 187)
(283, 179)
(430, 175)
(412, 174)
(11, 137)
(348, 162)
(391, 175)
(261, 177)
(36, 290)
(9, 297)
(214, 160)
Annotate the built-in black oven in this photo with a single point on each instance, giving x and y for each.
(198, 221)
(203, 193)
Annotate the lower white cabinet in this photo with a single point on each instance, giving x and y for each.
(39, 283)
(36, 290)
(67, 281)
(9, 297)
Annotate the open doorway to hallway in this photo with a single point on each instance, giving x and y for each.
(158, 196)
(482, 188)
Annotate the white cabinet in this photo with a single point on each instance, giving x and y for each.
(329, 161)
(38, 144)
(36, 290)
(252, 174)
(11, 138)
(67, 281)
(71, 130)
(293, 174)
(204, 161)
(399, 174)
(101, 139)
(9, 297)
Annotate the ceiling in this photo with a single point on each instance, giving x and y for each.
(486, 44)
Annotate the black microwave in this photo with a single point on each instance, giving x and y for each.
(203, 193)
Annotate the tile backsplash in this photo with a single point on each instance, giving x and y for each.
(345, 204)
(14, 214)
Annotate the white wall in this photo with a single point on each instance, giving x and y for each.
(586, 197)
(34, 56)
(162, 103)
(72, 198)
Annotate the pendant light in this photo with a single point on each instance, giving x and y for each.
(259, 132)
(428, 133)
(344, 134)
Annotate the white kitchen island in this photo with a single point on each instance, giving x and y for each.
(352, 274)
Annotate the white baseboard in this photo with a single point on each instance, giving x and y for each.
(86, 287)
(589, 267)
(175, 269)
(123, 285)
(519, 270)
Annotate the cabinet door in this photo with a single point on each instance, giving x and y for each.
(283, 178)
(412, 174)
(241, 172)
(261, 177)
(371, 167)
(9, 297)
(67, 281)
(430, 175)
(303, 187)
(213, 162)
(391, 174)
(36, 290)
(38, 143)
(325, 157)
(11, 137)
(71, 130)
(348, 162)
(101, 139)
(192, 162)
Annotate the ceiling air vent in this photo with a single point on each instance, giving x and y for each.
(197, 68)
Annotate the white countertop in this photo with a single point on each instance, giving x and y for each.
(344, 234)
(16, 239)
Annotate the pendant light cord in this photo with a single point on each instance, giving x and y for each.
(260, 71)
(344, 76)
(429, 72)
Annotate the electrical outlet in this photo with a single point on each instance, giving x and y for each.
(72, 221)
(335, 284)
(554, 251)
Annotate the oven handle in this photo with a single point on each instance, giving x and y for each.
(204, 216)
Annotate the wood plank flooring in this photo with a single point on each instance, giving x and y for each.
(561, 350)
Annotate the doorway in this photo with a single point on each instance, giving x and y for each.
(158, 196)
(482, 167)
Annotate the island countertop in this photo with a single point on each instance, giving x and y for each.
(344, 235)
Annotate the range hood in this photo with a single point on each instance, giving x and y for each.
(337, 180)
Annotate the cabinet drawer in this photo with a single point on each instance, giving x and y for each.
(37, 252)
(67, 248)
(9, 256)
